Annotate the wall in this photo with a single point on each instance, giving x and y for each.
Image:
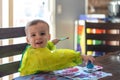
(68, 12)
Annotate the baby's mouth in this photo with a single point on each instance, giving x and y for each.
(39, 42)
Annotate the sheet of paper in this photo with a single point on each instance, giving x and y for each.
(74, 73)
(80, 73)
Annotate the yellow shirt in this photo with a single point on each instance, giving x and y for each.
(42, 59)
(50, 45)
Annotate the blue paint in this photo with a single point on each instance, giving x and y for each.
(90, 65)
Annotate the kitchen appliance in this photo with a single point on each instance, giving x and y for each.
(114, 11)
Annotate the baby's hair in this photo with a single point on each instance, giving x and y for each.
(34, 22)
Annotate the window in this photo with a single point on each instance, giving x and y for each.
(15, 13)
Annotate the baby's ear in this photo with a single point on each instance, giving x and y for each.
(27, 40)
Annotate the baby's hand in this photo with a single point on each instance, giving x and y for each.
(87, 58)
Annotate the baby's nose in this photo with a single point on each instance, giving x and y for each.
(39, 36)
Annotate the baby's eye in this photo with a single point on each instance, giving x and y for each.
(33, 35)
(42, 34)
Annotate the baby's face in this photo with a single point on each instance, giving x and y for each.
(38, 35)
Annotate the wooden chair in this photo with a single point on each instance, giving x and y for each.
(108, 37)
(10, 50)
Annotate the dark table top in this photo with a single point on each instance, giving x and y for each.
(111, 64)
